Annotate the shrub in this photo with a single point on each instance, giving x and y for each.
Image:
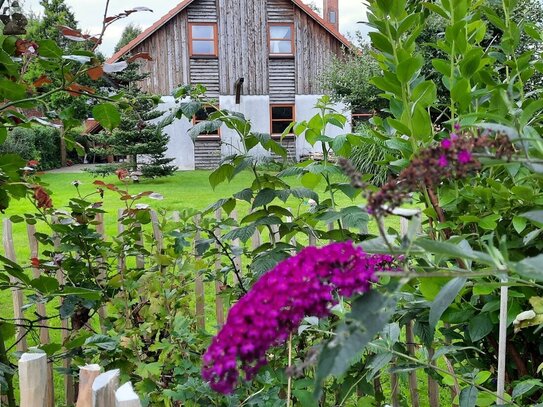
(37, 143)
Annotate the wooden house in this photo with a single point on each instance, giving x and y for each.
(268, 53)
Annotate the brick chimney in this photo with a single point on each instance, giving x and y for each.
(331, 13)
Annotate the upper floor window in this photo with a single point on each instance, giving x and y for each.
(281, 39)
(203, 39)
(281, 117)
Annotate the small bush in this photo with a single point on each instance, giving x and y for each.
(37, 143)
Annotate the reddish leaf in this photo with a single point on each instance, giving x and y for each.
(96, 72)
(67, 31)
(35, 262)
(110, 19)
(100, 183)
(43, 200)
(140, 55)
(76, 89)
(42, 80)
(26, 47)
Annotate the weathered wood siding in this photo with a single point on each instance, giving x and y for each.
(206, 72)
(207, 153)
(168, 47)
(282, 80)
(280, 11)
(315, 49)
(243, 51)
(243, 46)
(202, 10)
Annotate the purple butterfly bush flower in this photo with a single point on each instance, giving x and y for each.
(464, 157)
(443, 162)
(303, 285)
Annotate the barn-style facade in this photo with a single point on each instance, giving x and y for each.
(279, 47)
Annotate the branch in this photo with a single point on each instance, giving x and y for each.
(232, 260)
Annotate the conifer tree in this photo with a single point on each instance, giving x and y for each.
(139, 137)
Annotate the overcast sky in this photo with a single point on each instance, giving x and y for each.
(89, 13)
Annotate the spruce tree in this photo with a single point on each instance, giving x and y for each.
(143, 143)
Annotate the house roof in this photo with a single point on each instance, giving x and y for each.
(185, 3)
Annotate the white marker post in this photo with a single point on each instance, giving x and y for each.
(126, 397)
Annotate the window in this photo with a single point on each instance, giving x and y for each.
(203, 39)
(281, 117)
(203, 115)
(358, 117)
(281, 39)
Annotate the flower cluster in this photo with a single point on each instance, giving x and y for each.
(452, 159)
(303, 285)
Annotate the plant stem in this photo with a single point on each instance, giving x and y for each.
(289, 382)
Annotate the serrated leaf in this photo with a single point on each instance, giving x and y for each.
(107, 115)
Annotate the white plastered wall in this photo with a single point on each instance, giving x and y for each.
(254, 108)
(180, 145)
(305, 110)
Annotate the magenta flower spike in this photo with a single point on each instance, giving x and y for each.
(303, 285)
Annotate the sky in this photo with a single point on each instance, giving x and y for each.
(89, 13)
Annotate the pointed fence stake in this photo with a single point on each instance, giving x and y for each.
(104, 388)
(87, 375)
(126, 397)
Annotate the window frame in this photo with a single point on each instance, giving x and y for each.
(292, 40)
(195, 121)
(361, 116)
(215, 40)
(272, 120)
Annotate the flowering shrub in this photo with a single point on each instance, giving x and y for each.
(300, 286)
(453, 159)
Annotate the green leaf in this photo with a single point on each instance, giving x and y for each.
(468, 396)
(107, 115)
(479, 327)
(534, 216)
(221, 174)
(49, 49)
(45, 285)
(425, 93)
(519, 224)
(407, 69)
(102, 341)
(11, 90)
(371, 312)
(264, 197)
(526, 386)
(85, 293)
(243, 233)
(531, 268)
(310, 180)
(444, 299)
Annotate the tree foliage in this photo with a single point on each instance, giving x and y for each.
(130, 32)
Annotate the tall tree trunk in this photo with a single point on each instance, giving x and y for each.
(63, 153)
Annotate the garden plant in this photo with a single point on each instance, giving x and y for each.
(338, 304)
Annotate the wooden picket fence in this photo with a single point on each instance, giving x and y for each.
(89, 376)
(96, 389)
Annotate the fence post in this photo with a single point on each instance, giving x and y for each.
(40, 309)
(69, 389)
(199, 285)
(33, 379)
(87, 375)
(126, 397)
(219, 302)
(157, 233)
(16, 293)
(104, 387)
(410, 339)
